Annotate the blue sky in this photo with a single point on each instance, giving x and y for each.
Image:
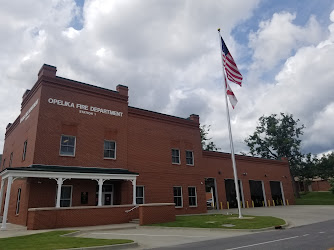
(167, 53)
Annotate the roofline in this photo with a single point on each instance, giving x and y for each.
(161, 116)
(217, 154)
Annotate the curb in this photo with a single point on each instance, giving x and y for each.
(286, 225)
(107, 247)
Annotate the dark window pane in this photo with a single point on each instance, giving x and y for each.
(65, 203)
(65, 193)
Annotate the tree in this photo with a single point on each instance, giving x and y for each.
(276, 137)
(206, 143)
(325, 167)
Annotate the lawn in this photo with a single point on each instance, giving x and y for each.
(218, 220)
(316, 198)
(53, 240)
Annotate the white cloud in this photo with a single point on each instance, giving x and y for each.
(278, 37)
(167, 53)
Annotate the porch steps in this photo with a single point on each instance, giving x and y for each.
(134, 221)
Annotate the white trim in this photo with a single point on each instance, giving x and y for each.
(5, 212)
(282, 191)
(18, 201)
(103, 193)
(24, 154)
(192, 196)
(193, 158)
(179, 156)
(178, 196)
(109, 158)
(71, 194)
(142, 186)
(75, 145)
(1, 192)
(242, 193)
(11, 159)
(66, 175)
(264, 194)
(216, 193)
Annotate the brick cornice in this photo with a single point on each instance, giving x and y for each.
(142, 113)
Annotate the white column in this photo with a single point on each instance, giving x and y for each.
(100, 181)
(5, 212)
(264, 194)
(59, 183)
(134, 191)
(283, 196)
(1, 193)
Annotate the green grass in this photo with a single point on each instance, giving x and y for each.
(316, 198)
(217, 220)
(53, 240)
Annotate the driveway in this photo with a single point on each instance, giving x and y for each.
(294, 215)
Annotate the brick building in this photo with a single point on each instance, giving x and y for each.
(79, 155)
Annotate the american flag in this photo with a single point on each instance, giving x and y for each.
(232, 72)
(230, 94)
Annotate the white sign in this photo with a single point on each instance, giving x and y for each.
(27, 114)
(84, 109)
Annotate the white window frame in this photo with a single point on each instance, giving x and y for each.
(24, 150)
(60, 194)
(178, 196)
(75, 145)
(109, 149)
(11, 160)
(192, 196)
(137, 197)
(18, 201)
(177, 163)
(192, 158)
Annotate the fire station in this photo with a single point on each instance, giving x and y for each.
(79, 155)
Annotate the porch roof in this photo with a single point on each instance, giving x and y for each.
(77, 172)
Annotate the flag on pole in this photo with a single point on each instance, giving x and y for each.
(230, 94)
(231, 69)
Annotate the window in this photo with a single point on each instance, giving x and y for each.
(10, 159)
(109, 149)
(66, 196)
(175, 156)
(3, 164)
(192, 196)
(24, 150)
(140, 195)
(190, 157)
(178, 196)
(18, 201)
(67, 145)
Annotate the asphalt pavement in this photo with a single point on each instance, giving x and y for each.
(316, 236)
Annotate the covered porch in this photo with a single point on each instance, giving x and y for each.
(57, 189)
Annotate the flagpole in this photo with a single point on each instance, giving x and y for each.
(230, 133)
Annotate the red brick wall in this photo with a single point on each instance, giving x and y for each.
(156, 213)
(78, 217)
(320, 185)
(219, 166)
(90, 130)
(18, 133)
